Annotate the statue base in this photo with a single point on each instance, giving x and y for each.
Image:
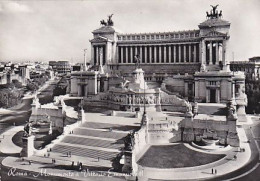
(28, 146)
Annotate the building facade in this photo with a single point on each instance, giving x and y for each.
(61, 67)
(166, 52)
(251, 67)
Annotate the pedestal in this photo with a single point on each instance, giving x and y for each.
(28, 146)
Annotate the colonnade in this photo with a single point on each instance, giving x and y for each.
(172, 53)
(214, 52)
(99, 54)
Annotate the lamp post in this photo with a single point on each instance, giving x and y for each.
(85, 61)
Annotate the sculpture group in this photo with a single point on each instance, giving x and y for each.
(214, 13)
(109, 21)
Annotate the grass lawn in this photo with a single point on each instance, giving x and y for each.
(17, 139)
(176, 156)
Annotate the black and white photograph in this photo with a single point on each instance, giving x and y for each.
(129, 90)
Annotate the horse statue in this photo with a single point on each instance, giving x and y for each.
(103, 22)
(109, 21)
(214, 9)
(208, 15)
(220, 14)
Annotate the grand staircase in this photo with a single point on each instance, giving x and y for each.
(93, 140)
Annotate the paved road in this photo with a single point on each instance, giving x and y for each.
(254, 174)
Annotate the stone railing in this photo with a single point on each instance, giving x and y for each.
(140, 142)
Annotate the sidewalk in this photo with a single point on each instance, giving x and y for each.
(6, 145)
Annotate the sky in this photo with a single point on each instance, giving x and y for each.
(47, 30)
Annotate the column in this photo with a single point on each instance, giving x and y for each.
(184, 57)
(210, 53)
(217, 54)
(179, 53)
(122, 54)
(194, 53)
(126, 54)
(170, 53)
(203, 52)
(101, 54)
(160, 54)
(97, 55)
(131, 54)
(141, 54)
(155, 54)
(224, 53)
(164, 54)
(174, 53)
(145, 54)
(150, 54)
(92, 55)
(189, 60)
(136, 51)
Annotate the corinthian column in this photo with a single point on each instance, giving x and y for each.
(131, 54)
(155, 54)
(179, 53)
(185, 57)
(122, 54)
(217, 54)
(126, 54)
(170, 53)
(174, 53)
(194, 53)
(150, 54)
(210, 52)
(160, 54)
(141, 55)
(189, 60)
(145, 54)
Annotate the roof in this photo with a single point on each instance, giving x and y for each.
(214, 22)
(106, 29)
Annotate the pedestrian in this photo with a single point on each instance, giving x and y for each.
(98, 159)
(212, 171)
(216, 171)
(29, 162)
(72, 164)
(166, 118)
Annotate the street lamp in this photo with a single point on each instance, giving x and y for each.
(85, 61)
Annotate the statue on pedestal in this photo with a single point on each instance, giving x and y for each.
(27, 130)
